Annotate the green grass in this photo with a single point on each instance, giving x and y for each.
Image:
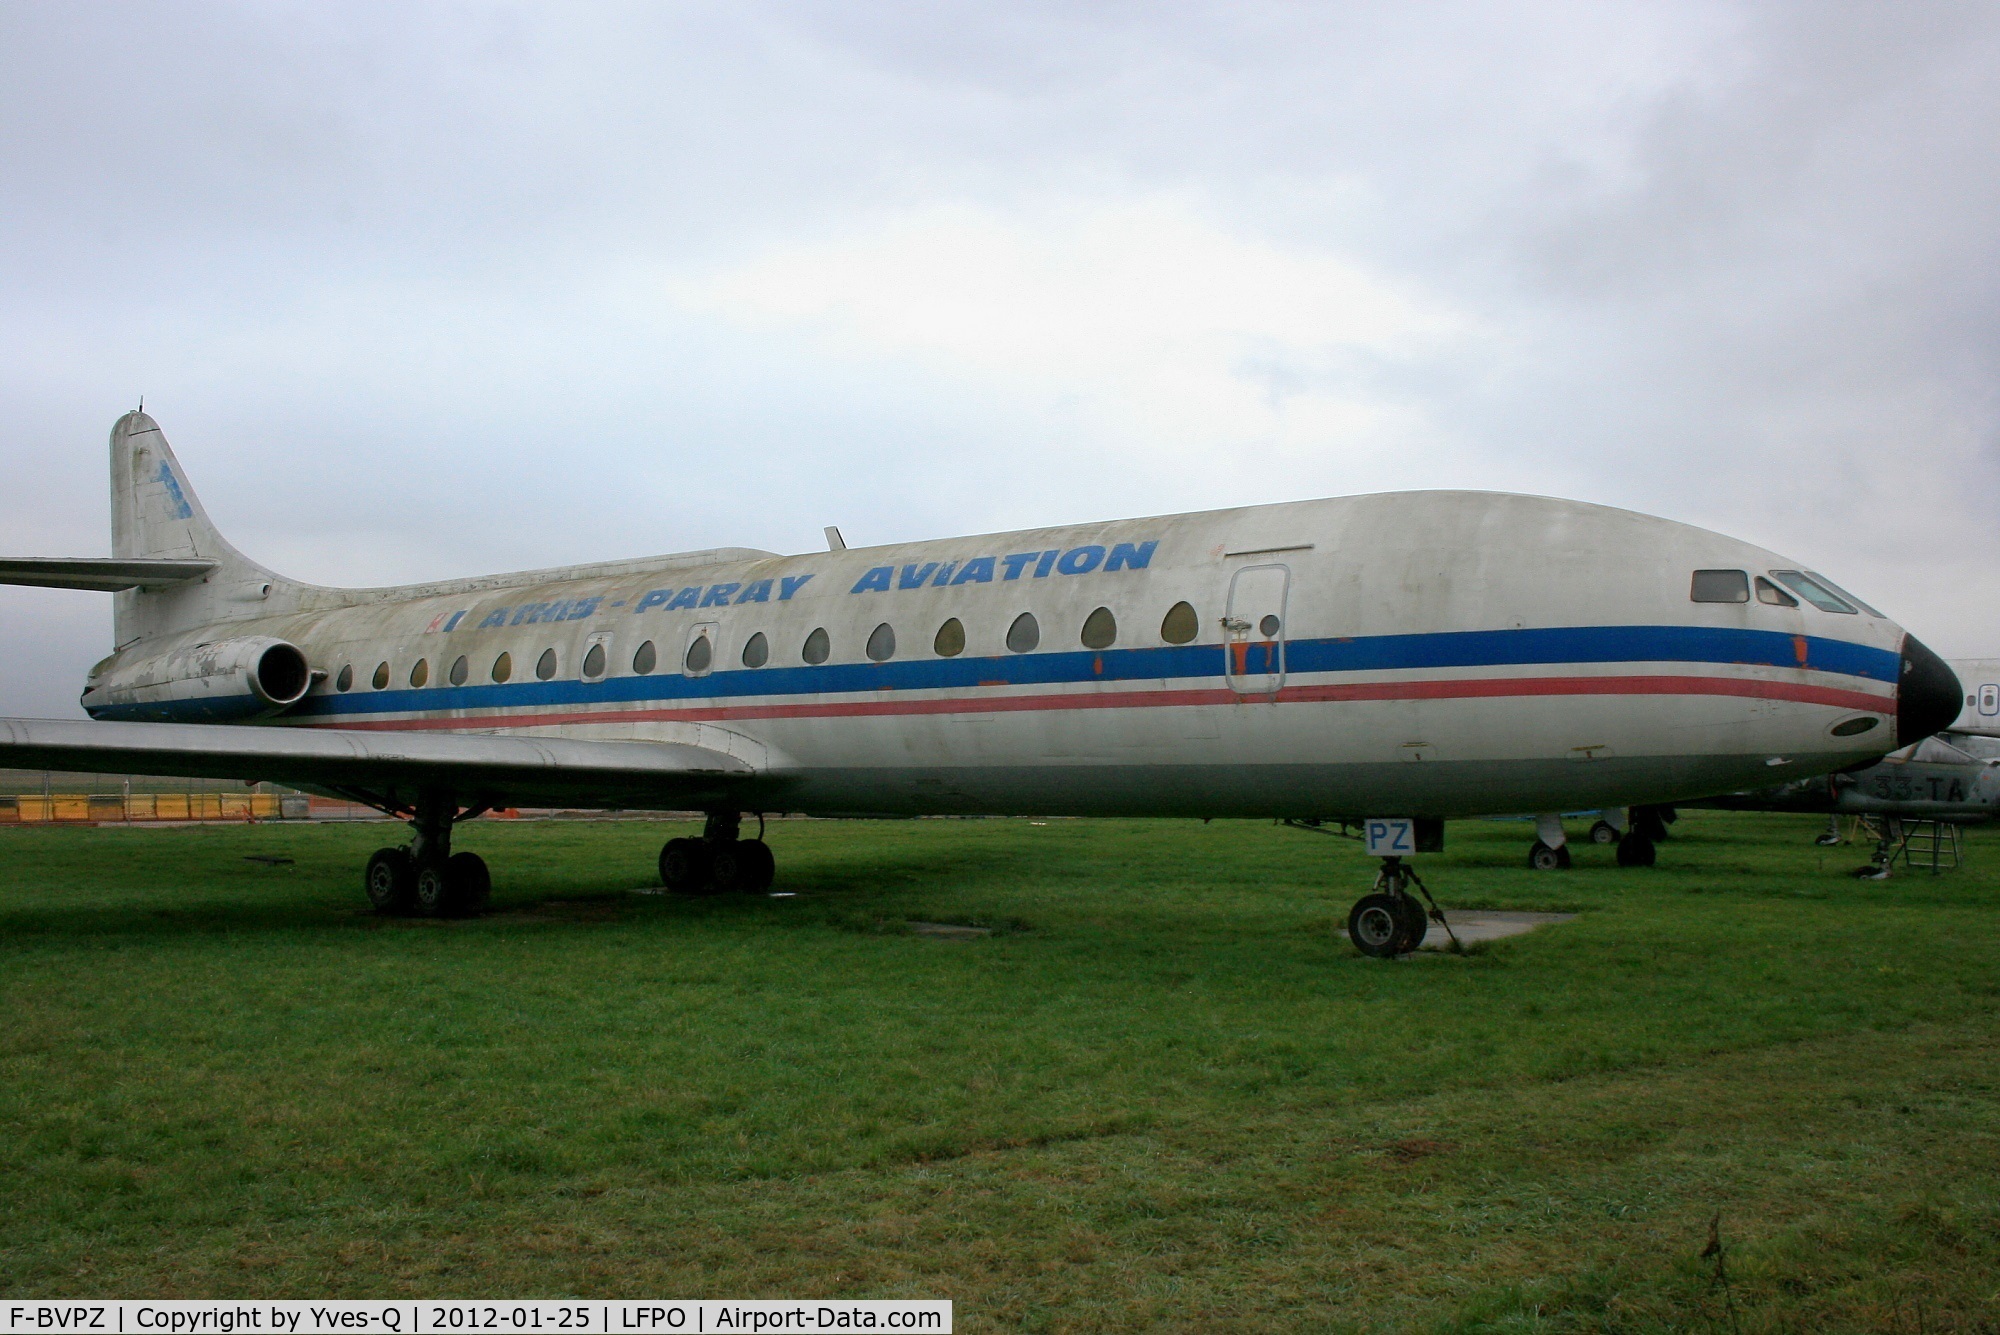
(1163, 1093)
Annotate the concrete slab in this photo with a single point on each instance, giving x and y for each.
(1487, 925)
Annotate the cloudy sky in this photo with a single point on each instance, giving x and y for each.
(419, 291)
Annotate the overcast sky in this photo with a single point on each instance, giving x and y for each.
(419, 291)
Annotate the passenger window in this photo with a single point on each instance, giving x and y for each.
(818, 647)
(381, 676)
(345, 681)
(460, 670)
(593, 662)
(503, 667)
(646, 659)
(1814, 592)
(950, 641)
(1268, 627)
(700, 655)
(882, 643)
(1767, 592)
(1024, 634)
(421, 673)
(1720, 586)
(545, 666)
(1180, 625)
(1100, 629)
(756, 651)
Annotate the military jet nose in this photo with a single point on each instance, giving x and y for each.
(1928, 696)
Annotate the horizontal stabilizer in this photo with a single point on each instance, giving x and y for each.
(102, 574)
(478, 768)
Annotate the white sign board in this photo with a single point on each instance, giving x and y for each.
(1390, 837)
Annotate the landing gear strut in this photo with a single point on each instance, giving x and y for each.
(1390, 921)
(1550, 851)
(720, 861)
(427, 877)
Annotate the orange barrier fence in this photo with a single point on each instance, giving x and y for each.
(77, 808)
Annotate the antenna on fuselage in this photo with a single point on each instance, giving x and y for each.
(834, 542)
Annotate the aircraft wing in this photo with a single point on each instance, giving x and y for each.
(478, 769)
(101, 574)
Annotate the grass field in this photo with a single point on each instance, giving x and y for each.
(1163, 1093)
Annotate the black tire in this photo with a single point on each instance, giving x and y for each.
(1416, 924)
(1604, 832)
(1635, 850)
(1543, 858)
(433, 895)
(725, 866)
(1827, 840)
(684, 867)
(755, 867)
(390, 880)
(470, 884)
(1376, 926)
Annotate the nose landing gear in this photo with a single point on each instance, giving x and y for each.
(1390, 921)
(720, 861)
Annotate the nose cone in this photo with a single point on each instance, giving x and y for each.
(1928, 696)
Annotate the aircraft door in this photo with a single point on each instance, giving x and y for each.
(1254, 630)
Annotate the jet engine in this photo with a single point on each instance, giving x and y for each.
(220, 681)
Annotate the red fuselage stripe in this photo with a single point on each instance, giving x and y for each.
(1485, 688)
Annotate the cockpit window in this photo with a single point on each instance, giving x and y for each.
(1767, 592)
(1814, 592)
(1720, 586)
(1829, 584)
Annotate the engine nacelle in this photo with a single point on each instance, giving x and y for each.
(226, 681)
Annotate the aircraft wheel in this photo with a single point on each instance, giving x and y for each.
(1376, 926)
(1635, 850)
(1604, 832)
(1827, 840)
(684, 866)
(1543, 858)
(433, 889)
(1874, 871)
(1416, 924)
(468, 882)
(755, 867)
(1650, 823)
(391, 880)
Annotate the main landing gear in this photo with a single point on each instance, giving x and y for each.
(1389, 921)
(720, 861)
(1636, 833)
(426, 877)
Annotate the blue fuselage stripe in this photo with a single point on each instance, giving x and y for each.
(1373, 653)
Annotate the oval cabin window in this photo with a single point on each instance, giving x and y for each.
(545, 666)
(345, 681)
(381, 676)
(1100, 629)
(460, 670)
(503, 667)
(646, 659)
(1180, 625)
(882, 643)
(421, 673)
(593, 662)
(700, 654)
(950, 641)
(818, 647)
(756, 651)
(1024, 634)
(1269, 626)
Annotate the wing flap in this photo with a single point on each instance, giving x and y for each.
(476, 767)
(99, 574)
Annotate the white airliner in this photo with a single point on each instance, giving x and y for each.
(1412, 655)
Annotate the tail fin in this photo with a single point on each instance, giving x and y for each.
(155, 514)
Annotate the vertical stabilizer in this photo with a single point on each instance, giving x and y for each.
(155, 513)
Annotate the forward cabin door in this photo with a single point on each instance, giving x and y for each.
(1254, 631)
